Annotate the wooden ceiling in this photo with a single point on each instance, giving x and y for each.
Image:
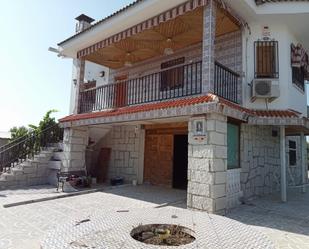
(183, 31)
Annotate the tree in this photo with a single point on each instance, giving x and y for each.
(46, 122)
(18, 132)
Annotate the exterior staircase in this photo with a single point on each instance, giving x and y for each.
(41, 169)
(32, 160)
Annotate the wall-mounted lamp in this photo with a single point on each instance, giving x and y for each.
(102, 74)
(75, 82)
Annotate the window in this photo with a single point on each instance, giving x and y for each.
(172, 78)
(266, 59)
(233, 146)
(298, 77)
(292, 153)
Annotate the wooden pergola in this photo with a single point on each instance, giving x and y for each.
(175, 29)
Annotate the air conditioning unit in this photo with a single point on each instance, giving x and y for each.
(265, 89)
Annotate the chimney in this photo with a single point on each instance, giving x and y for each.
(84, 22)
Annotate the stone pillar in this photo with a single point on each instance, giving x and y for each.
(75, 141)
(208, 56)
(283, 165)
(78, 82)
(207, 165)
(304, 167)
(83, 22)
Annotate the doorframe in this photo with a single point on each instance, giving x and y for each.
(173, 173)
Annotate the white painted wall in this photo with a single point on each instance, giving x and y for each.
(291, 97)
(93, 71)
(73, 87)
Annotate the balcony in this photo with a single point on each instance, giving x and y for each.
(176, 82)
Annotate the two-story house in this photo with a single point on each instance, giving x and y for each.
(203, 95)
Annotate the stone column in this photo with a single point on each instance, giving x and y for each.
(283, 165)
(207, 165)
(208, 56)
(78, 81)
(304, 167)
(75, 141)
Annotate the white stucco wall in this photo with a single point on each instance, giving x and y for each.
(93, 71)
(291, 97)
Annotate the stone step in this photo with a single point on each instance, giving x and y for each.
(58, 156)
(54, 164)
(7, 177)
(17, 171)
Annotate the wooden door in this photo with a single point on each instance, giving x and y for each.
(121, 91)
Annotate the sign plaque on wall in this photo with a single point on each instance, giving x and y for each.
(199, 129)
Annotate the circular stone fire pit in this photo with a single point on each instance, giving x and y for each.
(163, 234)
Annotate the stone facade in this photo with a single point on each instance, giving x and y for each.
(126, 143)
(260, 161)
(207, 166)
(75, 141)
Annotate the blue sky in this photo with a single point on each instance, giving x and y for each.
(34, 80)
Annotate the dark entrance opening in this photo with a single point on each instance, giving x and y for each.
(180, 162)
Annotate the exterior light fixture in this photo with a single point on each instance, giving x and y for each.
(128, 62)
(168, 50)
(102, 74)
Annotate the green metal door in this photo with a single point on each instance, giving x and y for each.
(232, 146)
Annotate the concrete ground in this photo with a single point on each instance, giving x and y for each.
(25, 226)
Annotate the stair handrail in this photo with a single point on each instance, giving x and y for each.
(25, 137)
(27, 146)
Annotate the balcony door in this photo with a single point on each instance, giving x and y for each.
(121, 91)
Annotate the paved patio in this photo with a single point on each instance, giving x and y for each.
(25, 226)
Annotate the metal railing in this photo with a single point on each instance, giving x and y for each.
(27, 146)
(226, 83)
(172, 83)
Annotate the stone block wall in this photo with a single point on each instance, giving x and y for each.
(126, 144)
(260, 161)
(75, 141)
(207, 166)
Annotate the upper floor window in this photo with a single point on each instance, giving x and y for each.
(299, 63)
(174, 77)
(266, 59)
(298, 77)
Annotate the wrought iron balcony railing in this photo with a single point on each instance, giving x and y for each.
(181, 81)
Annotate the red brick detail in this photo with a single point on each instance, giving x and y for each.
(158, 166)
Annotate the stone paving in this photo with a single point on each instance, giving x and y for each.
(286, 224)
(28, 226)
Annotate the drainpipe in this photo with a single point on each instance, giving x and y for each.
(303, 161)
(283, 164)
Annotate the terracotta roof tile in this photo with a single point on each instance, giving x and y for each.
(209, 98)
(276, 113)
(144, 108)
